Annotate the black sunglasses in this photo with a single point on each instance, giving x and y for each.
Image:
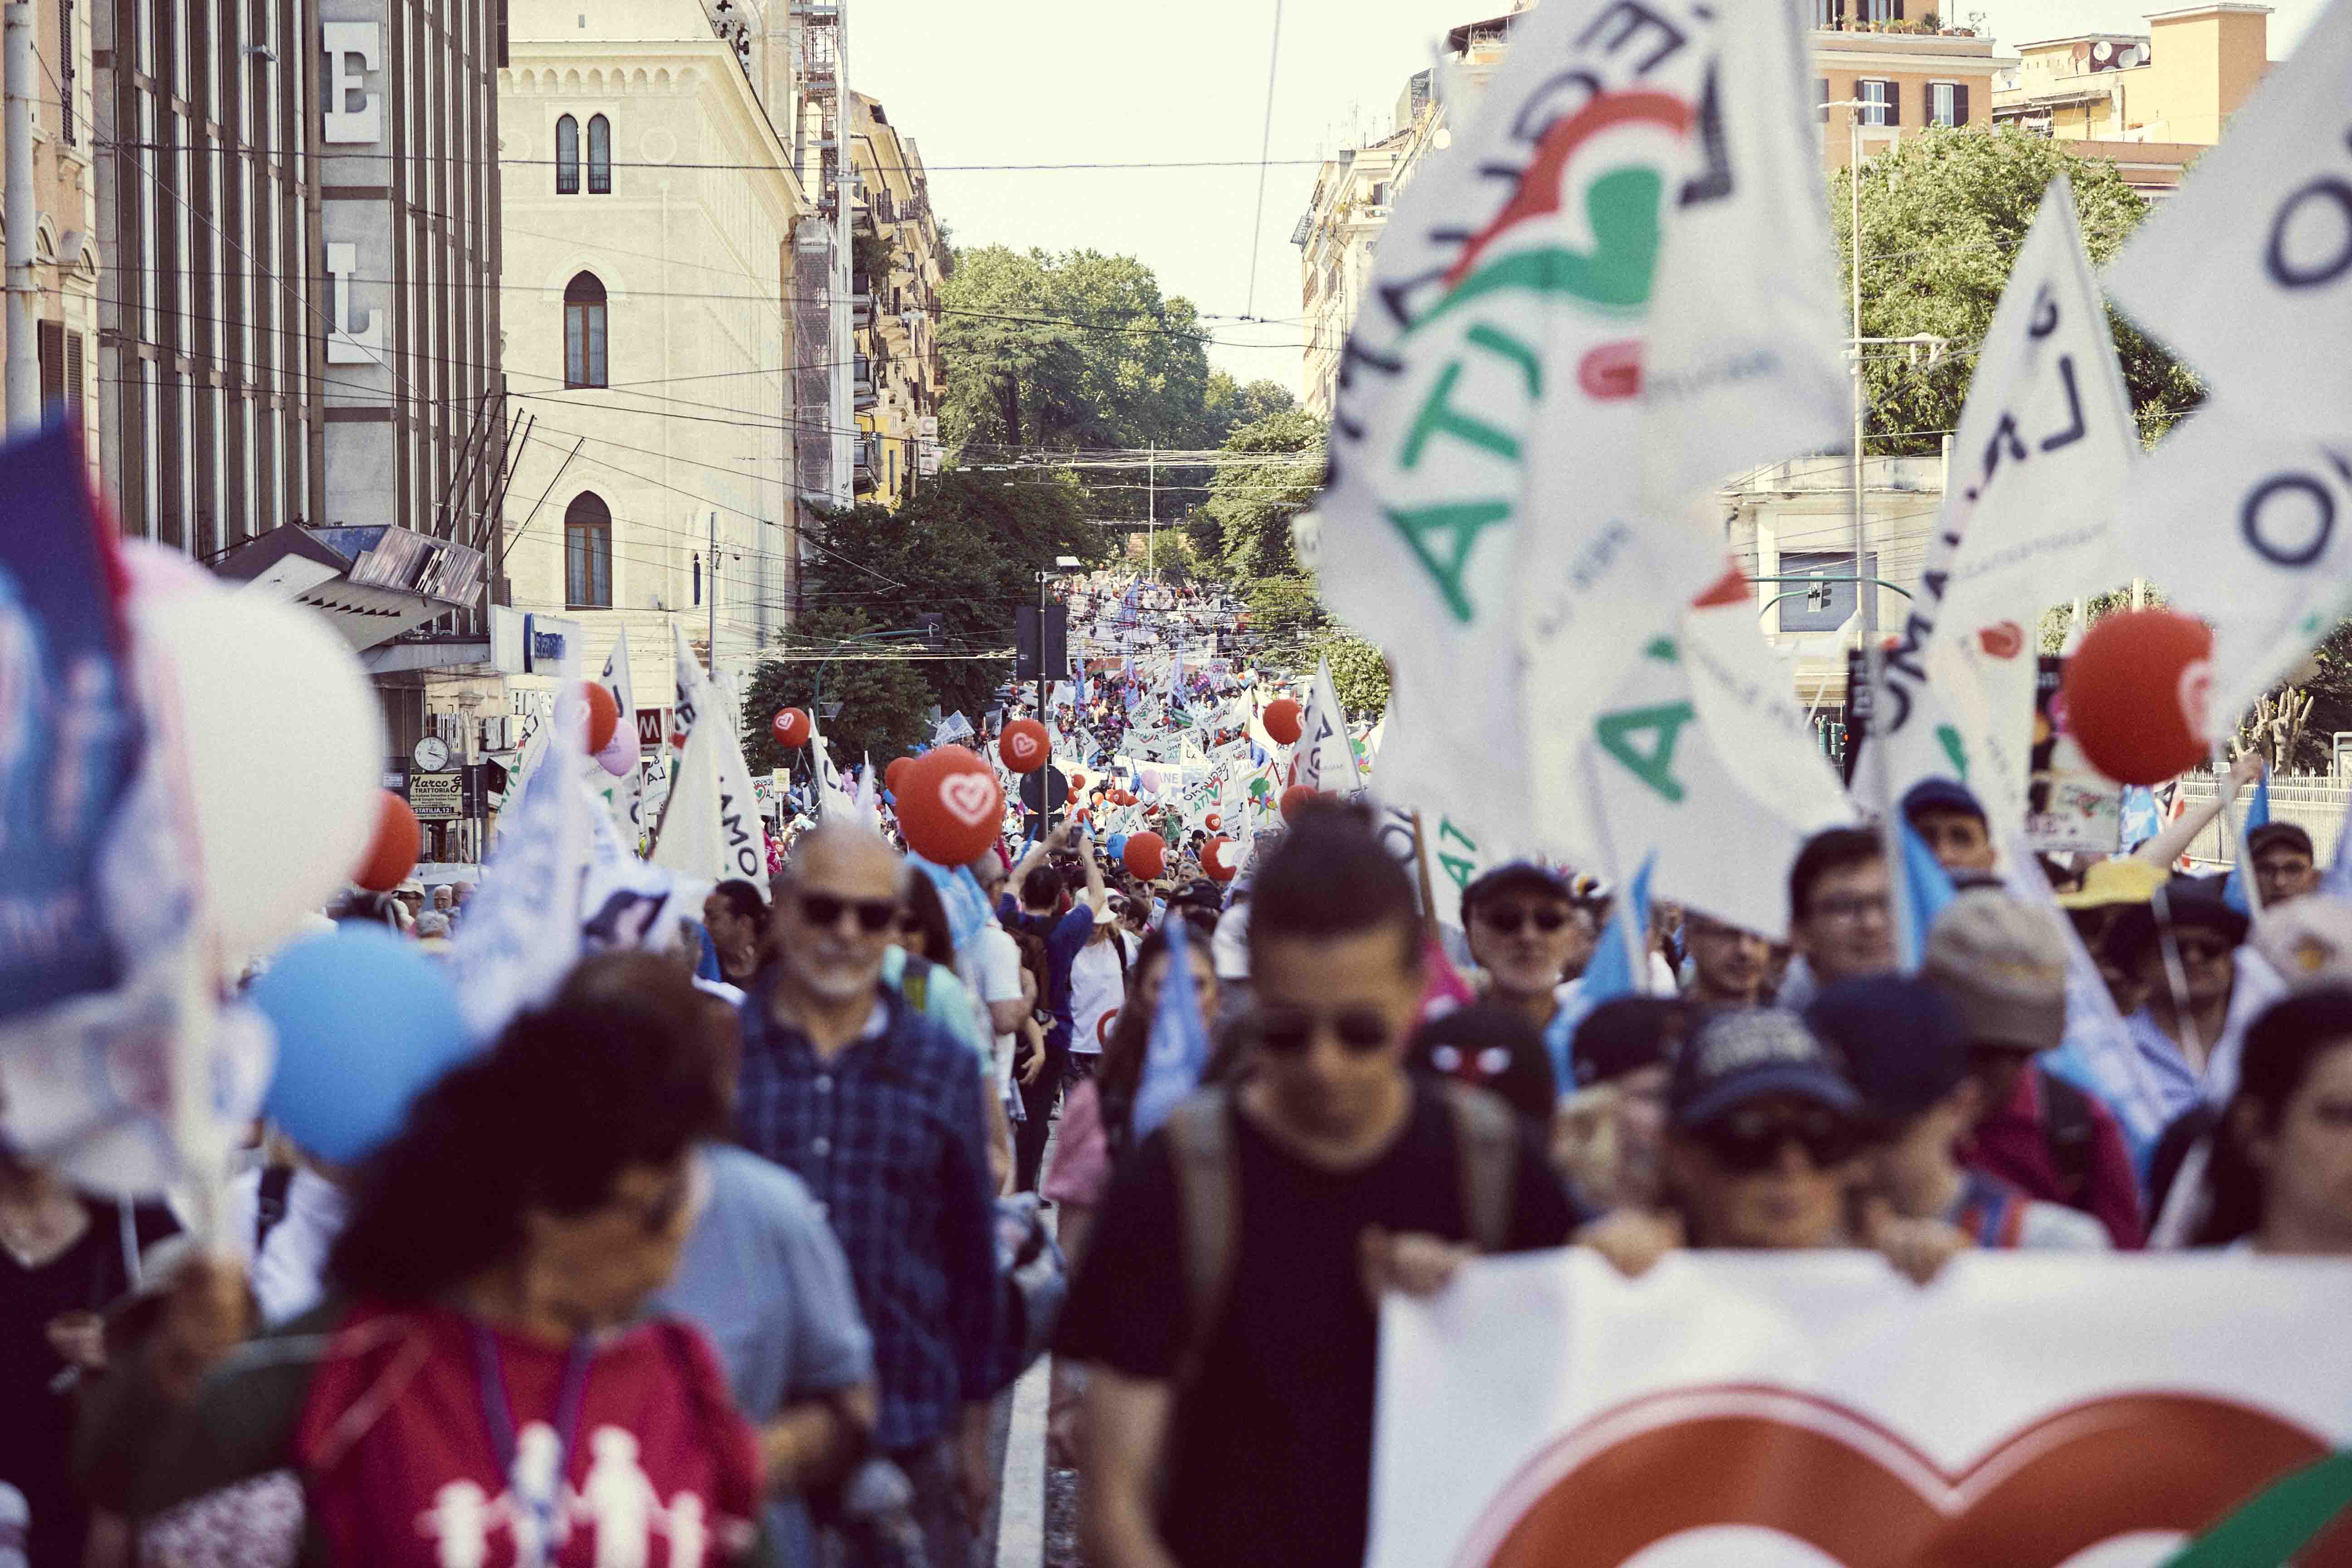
(1750, 1141)
(1506, 920)
(825, 909)
(1289, 1033)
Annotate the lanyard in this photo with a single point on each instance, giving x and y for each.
(498, 1418)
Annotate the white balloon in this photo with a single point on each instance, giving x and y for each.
(284, 745)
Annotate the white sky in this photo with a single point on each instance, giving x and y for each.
(1057, 81)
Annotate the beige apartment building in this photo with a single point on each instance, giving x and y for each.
(1899, 60)
(2150, 102)
(65, 240)
(901, 263)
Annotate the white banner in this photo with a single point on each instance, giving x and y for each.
(2247, 272)
(1787, 1411)
(1326, 759)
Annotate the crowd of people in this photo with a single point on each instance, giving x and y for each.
(737, 1248)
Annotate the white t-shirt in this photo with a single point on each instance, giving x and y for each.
(1098, 986)
(288, 1272)
(991, 966)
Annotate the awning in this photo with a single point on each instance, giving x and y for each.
(372, 583)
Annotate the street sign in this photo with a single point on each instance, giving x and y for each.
(436, 797)
(650, 725)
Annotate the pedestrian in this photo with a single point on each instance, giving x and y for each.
(1039, 912)
(735, 913)
(2203, 987)
(2281, 1175)
(1226, 1308)
(1841, 918)
(872, 1106)
(1098, 981)
(1730, 965)
(2001, 964)
(1905, 1048)
(1608, 1136)
(2284, 867)
(479, 1363)
(1951, 823)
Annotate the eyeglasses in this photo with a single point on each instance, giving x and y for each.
(1750, 1139)
(2202, 950)
(1851, 910)
(874, 916)
(1507, 920)
(1289, 1033)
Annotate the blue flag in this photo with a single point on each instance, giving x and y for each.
(1928, 888)
(2142, 820)
(1610, 973)
(2258, 815)
(1179, 1052)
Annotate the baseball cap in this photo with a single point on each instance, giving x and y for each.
(1521, 874)
(2287, 834)
(2109, 883)
(1623, 1035)
(1489, 1047)
(2189, 902)
(1904, 1044)
(1750, 1054)
(1940, 795)
(2001, 964)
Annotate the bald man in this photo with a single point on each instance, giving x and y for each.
(871, 1105)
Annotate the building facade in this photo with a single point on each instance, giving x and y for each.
(2149, 101)
(1900, 59)
(900, 266)
(65, 241)
(650, 216)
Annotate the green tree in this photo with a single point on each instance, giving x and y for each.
(1252, 502)
(1229, 405)
(1943, 214)
(966, 546)
(885, 704)
(1359, 673)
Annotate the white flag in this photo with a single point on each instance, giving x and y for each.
(1325, 759)
(2250, 527)
(1508, 476)
(710, 829)
(2247, 272)
(624, 796)
(2044, 448)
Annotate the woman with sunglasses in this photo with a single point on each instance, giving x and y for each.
(474, 1388)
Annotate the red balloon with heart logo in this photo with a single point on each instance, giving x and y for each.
(791, 728)
(1284, 721)
(2136, 694)
(951, 808)
(1213, 862)
(1025, 745)
(1078, 782)
(392, 853)
(1146, 855)
(604, 716)
(1294, 797)
(1213, 822)
(895, 773)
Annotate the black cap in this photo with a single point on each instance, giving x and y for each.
(2189, 902)
(1626, 1033)
(1489, 1047)
(1525, 874)
(1940, 795)
(1904, 1047)
(1752, 1054)
(2287, 834)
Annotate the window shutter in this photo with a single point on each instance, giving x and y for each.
(1822, 97)
(49, 343)
(1897, 16)
(1893, 103)
(1960, 105)
(73, 376)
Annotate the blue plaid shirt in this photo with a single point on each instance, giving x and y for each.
(890, 1138)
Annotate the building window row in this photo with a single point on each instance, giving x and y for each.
(600, 156)
(1942, 102)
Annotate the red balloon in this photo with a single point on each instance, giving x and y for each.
(950, 806)
(1146, 855)
(1293, 798)
(1025, 745)
(392, 853)
(1212, 859)
(1213, 822)
(2135, 695)
(790, 726)
(1283, 719)
(895, 772)
(1078, 781)
(604, 716)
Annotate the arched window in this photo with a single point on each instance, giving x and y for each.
(567, 157)
(584, 331)
(588, 553)
(600, 156)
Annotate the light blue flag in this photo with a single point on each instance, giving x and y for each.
(1179, 1052)
(1928, 886)
(2142, 820)
(2258, 814)
(1610, 973)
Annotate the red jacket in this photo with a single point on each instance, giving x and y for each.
(2015, 1143)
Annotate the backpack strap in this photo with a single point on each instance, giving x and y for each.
(269, 1203)
(2072, 1132)
(1487, 1146)
(1208, 1216)
(915, 983)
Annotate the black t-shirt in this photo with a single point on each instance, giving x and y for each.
(1270, 1461)
(36, 1420)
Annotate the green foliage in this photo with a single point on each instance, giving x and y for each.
(1943, 215)
(885, 706)
(967, 546)
(1229, 405)
(1359, 671)
(2329, 686)
(1253, 503)
(871, 256)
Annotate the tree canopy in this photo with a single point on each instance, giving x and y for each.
(885, 704)
(1943, 214)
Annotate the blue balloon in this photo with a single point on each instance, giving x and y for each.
(365, 1021)
(1117, 845)
(889, 799)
